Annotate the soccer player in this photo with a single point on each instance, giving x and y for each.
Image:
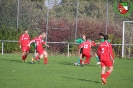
(106, 56)
(80, 40)
(23, 42)
(86, 50)
(39, 47)
(101, 40)
(102, 37)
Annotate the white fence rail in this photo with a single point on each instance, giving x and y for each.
(68, 44)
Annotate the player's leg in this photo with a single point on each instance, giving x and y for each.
(45, 57)
(35, 57)
(81, 59)
(27, 52)
(110, 66)
(107, 74)
(103, 73)
(97, 58)
(87, 60)
(23, 56)
(23, 53)
(79, 52)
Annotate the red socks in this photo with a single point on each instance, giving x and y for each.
(102, 75)
(80, 61)
(23, 57)
(45, 60)
(106, 75)
(87, 61)
(37, 57)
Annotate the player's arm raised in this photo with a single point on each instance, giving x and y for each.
(45, 44)
(31, 42)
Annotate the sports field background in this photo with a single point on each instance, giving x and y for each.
(61, 73)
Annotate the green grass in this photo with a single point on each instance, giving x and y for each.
(61, 73)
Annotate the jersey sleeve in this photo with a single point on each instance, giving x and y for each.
(93, 43)
(79, 40)
(111, 51)
(33, 40)
(20, 40)
(29, 38)
(81, 45)
(44, 43)
(99, 51)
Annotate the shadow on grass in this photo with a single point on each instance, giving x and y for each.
(81, 79)
(72, 64)
(66, 63)
(18, 61)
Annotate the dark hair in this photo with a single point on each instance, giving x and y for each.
(87, 38)
(101, 34)
(26, 29)
(106, 37)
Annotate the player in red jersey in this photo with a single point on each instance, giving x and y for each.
(23, 42)
(106, 56)
(86, 50)
(39, 47)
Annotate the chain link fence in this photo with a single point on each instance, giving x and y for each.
(62, 20)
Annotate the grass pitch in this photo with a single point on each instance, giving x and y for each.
(61, 73)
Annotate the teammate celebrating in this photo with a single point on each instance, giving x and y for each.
(23, 42)
(106, 58)
(86, 50)
(80, 40)
(39, 47)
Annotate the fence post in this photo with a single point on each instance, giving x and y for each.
(47, 19)
(106, 16)
(18, 14)
(123, 37)
(2, 47)
(68, 49)
(76, 20)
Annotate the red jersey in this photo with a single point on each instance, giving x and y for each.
(24, 40)
(105, 51)
(87, 46)
(39, 42)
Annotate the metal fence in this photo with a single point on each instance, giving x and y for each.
(62, 20)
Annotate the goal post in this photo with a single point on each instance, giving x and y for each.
(123, 36)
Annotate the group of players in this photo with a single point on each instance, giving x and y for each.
(25, 42)
(104, 56)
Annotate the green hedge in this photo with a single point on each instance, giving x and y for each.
(13, 34)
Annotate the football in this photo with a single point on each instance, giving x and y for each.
(75, 63)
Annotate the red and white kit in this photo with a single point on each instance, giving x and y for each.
(24, 41)
(87, 50)
(39, 44)
(106, 54)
